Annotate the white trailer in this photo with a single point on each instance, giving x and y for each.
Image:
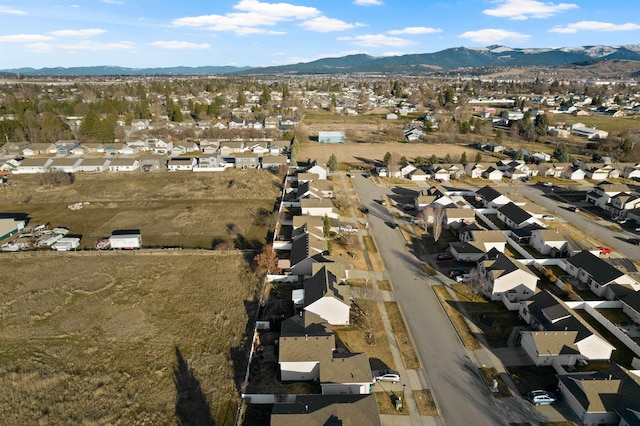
(125, 241)
(66, 244)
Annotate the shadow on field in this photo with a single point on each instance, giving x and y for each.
(192, 407)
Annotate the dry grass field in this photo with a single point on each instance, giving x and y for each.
(122, 339)
(171, 209)
(367, 154)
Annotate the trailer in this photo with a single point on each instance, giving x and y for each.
(66, 244)
(125, 240)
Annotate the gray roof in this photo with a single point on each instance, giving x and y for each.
(326, 282)
(517, 214)
(327, 410)
(600, 271)
(633, 301)
(307, 323)
(488, 193)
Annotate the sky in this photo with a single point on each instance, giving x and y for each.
(165, 33)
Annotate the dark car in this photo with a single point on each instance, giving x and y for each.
(364, 209)
(392, 225)
(444, 256)
(634, 241)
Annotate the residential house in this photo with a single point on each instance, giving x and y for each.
(515, 217)
(39, 149)
(610, 396)
(505, 277)
(14, 149)
(246, 160)
(231, 147)
(466, 251)
(113, 149)
(299, 356)
(327, 294)
(493, 173)
(259, 148)
(160, 147)
(185, 147)
(211, 163)
(318, 207)
(603, 279)
(318, 169)
(413, 133)
(323, 410)
(573, 173)
(552, 169)
(33, 165)
(631, 171)
(599, 171)
(209, 147)
(406, 170)
(491, 198)
(274, 161)
(66, 147)
(182, 164)
(622, 203)
(236, 124)
(591, 133)
(271, 122)
(279, 147)
(418, 176)
(603, 192)
(65, 164)
(307, 248)
(457, 217)
(545, 313)
(124, 164)
(98, 164)
(475, 170)
(485, 239)
(289, 122)
(631, 306)
(550, 242)
(440, 174)
(433, 196)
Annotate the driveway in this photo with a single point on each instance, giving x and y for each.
(459, 391)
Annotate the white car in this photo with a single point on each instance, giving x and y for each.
(548, 217)
(386, 376)
(541, 397)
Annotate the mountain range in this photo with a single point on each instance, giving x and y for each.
(445, 60)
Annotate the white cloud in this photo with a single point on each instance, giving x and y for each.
(118, 2)
(179, 45)
(594, 26)
(87, 32)
(377, 40)
(90, 45)
(415, 30)
(367, 2)
(492, 35)
(23, 38)
(325, 25)
(253, 14)
(11, 11)
(38, 47)
(524, 9)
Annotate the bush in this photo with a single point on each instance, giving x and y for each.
(56, 179)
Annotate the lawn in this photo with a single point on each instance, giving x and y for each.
(199, 210)
(495, 321)
(115, 338)
(457, 319)
(405, 345)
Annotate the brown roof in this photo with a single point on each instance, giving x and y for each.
(306, 348)
(322, 410)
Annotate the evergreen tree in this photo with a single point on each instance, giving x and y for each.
(561, 154)
(419, 161)
(463, 158)
(447, 158)
(326, 226)
(479, 158)
(333, 163)
(386, 159)
(433, 159)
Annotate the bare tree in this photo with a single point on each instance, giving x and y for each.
(438, 220)
(477, 282)
(342, 202)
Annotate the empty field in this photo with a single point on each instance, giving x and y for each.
(170, 209)
(121, 338)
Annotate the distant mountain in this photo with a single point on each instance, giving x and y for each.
(114, 71)
(457, 58)
(444, 60)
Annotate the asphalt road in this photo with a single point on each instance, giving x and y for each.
(459, 391)
(598, 230)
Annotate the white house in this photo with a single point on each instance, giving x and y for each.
(98, 164)
(33, 165)
(318, 207)
(123, 164)
(327, 295)
(550, 242)
(65, 164)
(182, 164)
(504, 276)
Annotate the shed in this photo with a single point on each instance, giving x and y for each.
(66, 244)
(331, 137)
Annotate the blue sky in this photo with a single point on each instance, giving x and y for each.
(159, 33)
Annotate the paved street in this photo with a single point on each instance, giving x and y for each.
(453, 377)
(599, 230)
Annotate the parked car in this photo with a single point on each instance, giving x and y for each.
(409, 207)
(549, 184)
(548, 217)
(541, 397)
(574, 209)
(444, 256)
(634, 241)
(604, 250)
(386, 375)
(364, 209)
